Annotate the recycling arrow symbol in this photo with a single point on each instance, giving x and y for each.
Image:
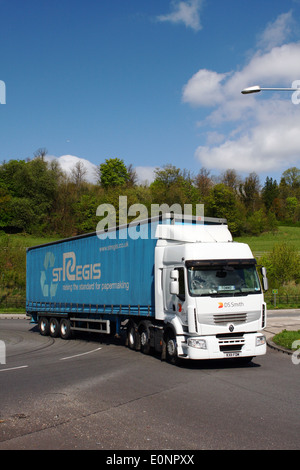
(48, 289)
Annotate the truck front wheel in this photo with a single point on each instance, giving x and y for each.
(171, 348)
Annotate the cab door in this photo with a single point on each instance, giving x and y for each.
(176, 303)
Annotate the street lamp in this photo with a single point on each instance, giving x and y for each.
(257, 89)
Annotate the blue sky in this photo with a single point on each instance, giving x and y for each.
(152, 82)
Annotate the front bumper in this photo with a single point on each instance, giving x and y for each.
(222, 346)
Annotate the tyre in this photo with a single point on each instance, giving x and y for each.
(132, 336)
(171, 347)
(65, 329)
(144, 332)
(44, 326)
(54, 327)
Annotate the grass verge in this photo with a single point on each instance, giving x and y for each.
(265, 242)
(287, 338)
(4, 310)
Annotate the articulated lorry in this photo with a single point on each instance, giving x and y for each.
(173, 284)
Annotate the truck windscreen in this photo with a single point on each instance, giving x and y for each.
(223, 280)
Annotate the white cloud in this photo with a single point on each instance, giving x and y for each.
(204, 88)
(280, 66)
(276, 32)
(187, 12)
(68, 162)
(145, 174)
(262, 129)
(269, 146)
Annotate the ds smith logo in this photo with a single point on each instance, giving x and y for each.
(230, 304)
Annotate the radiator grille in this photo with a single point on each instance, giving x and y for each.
(229, 342)
(237, 318)
(230, 318)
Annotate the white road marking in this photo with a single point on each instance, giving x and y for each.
(82, 354)
(13, 368)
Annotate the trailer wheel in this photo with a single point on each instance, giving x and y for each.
(171, 347)
(132, 336)
(43, 326)
(65, 328)
(54, 327)
(145, 337)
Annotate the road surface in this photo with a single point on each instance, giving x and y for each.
(90, 393)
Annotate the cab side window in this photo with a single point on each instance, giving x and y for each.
(181, 294)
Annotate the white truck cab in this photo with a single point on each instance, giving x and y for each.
(207, 287)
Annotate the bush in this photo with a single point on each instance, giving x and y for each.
(283, 264)
(260, 222)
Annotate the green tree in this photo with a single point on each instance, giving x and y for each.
(167, 176)
(249, 192)
(222, 202)
(260, 221)
(291, 205)
(290, 183)
(63, 214)
(174, 186)
(32, 187)
(113, 173)
(292, 177)
(269, 192)
(283, 264)
(12, 176)
(78, 174)
(231, 179)
(204, 183)
(85, 213)
(24, 216)
(5, 213)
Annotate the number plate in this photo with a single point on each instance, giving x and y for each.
(232, 354)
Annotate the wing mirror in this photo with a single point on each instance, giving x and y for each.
(174, 284)
(264, 278)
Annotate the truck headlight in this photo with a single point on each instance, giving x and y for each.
(197, 343)
(260, 340)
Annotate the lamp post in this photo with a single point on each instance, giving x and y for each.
(257, 89)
